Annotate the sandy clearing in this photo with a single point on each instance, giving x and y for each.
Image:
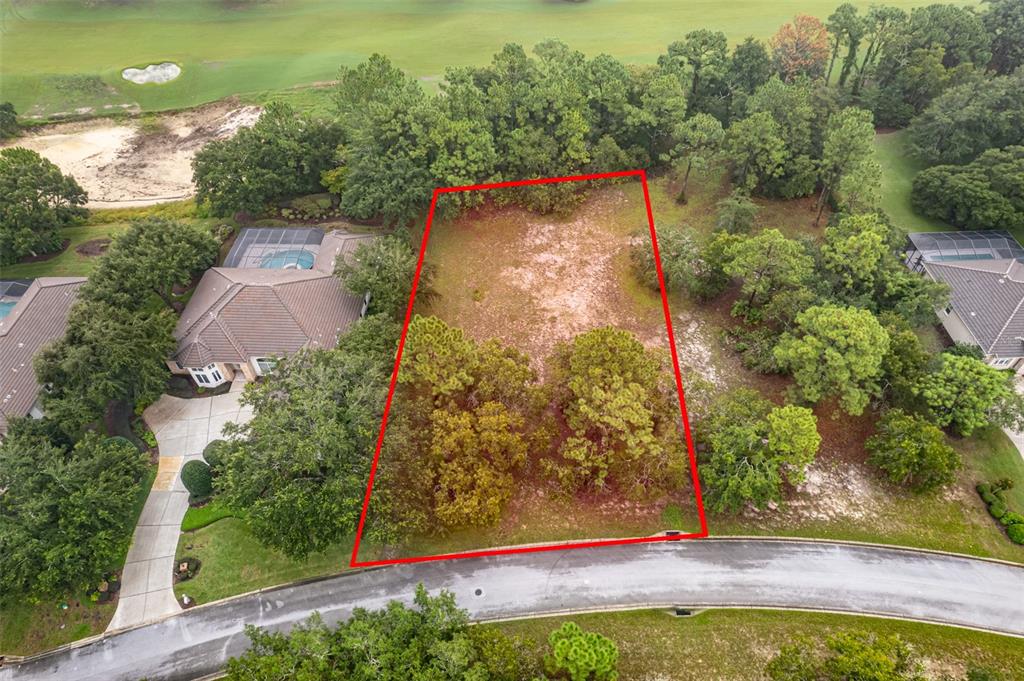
(121, 164)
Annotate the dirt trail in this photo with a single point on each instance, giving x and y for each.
(123, 163)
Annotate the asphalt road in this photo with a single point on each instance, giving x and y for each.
(756, 573)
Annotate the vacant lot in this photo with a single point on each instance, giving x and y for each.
(67, 56)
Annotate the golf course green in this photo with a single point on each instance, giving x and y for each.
(66, 56)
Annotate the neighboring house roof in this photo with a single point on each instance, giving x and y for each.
(39, 317)
(987, 295)
(238, 313)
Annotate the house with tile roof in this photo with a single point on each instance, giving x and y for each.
(985, 275)
(281, 297)
(33, 317)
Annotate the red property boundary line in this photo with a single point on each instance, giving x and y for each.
(642, 175)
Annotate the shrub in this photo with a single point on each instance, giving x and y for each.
(120, 441)
(198, 481)
(214, 454)
(1012, 518)
(1016, 533)
(983, 488)
(988, 497)
(190, 565)
(997, 509)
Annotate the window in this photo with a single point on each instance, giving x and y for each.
(948, 310)
(209, 375)
(1003, 362)
(264, 365)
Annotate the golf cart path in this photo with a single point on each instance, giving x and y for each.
(767, 573)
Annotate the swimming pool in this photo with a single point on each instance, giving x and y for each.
(296, 259)
(5, 308)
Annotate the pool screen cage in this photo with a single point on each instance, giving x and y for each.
(13, 288)
(273, 246)
(960, 246)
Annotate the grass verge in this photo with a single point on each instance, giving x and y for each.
(736, 644)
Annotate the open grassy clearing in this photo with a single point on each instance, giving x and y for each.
(67, 55)
(898, 171)
(27, 628)
(736, 644)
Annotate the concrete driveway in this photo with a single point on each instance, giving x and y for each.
(182, 428)
(764, 573)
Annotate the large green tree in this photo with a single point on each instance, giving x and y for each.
(580, 655)
(385, 268)
(66, 513)
(282, 155)
(622, 420)
(700, 141)
(752, 448)
(299, 467)
(835, 352)
(768, 263)
(109, 354)
(36, 201)
(848, 149)
(154, 255)
(963, 392)
(756, 150)
(1004, 21)
(968, 119)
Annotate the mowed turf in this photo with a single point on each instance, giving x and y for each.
(59, 56)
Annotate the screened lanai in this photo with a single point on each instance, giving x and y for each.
(961, 246)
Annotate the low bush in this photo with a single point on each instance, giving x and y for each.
(197, 479)
(988, 497)
(1012, 518)
(983, 488)
(1016, 533)
(186, 568)
(997, 509)
(214, 454)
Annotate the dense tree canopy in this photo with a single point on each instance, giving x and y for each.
(752, 448)
(768, 264)
(432, 639)
(385, 268)
(109, 354)
(299, 467)
(968, 119)
(8, 121)
(36, 201)
(984, 194)
(154, 255)
(282, 155)
(801, 48)
(66, 512)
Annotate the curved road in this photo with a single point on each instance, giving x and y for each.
(711, 572)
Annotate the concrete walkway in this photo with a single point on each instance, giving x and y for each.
(758, 573)
(182, 428)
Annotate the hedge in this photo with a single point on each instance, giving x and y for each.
(1016, 533)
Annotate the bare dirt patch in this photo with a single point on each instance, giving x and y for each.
(93, 247)
(534, 281)
(120, 165)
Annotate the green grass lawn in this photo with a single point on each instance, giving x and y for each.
(898, 171)
(62, 55)
(233, 562)
(101, 224)
(736, 644)
(27, 628)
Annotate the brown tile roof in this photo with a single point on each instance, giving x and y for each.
(39, 317)
(238, 313)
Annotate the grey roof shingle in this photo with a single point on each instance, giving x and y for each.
(39, 317)
(987, 295)
(238, 313)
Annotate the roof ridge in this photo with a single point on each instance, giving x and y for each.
(1009, 319)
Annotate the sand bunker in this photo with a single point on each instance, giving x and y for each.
(120, 165)
(154, 73)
